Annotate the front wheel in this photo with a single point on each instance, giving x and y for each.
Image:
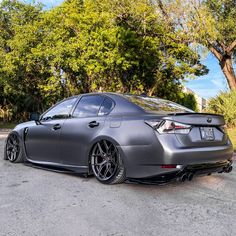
(106, 163)
(14, 149)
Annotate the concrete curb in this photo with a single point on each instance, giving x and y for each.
(5, 130)
(4, 133)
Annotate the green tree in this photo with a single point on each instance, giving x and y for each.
(223, 44)
(188, 100)
(117, 46)
(20, 70)
(85, 46)
(210, 23)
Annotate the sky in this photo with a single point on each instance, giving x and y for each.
(211, 84)
(205, 86)
(47, 3)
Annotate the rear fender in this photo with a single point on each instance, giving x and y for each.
(104, 137)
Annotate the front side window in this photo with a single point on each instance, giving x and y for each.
(60, 111)
(88, 106)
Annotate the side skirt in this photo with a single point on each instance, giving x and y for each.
(58, 167)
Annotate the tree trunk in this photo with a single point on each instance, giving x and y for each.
(226, 64)
(151, 91)
(227, 68)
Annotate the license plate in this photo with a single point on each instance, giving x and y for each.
(207, 133)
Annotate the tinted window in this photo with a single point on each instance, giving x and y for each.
(60, 111)
(106, 107)
(88, 106)
(157, 105)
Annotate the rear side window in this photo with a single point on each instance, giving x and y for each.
(106, 107)
(157, 105)
(88, 106)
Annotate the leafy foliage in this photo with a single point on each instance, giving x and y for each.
(223, 13)
(210, 23)
(85, 46)
(224, 104)
(188, 100)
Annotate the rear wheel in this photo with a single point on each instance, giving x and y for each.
(14, 149)
(106, 163)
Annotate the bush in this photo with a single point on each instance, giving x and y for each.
(5, 113)
(224, 104)
(188, 100)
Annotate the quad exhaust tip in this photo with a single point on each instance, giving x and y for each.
(189, 175)
(183, 178)
(186, 176)
(228, 169)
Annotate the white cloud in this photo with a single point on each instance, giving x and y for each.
(218, 83)
(207, 92)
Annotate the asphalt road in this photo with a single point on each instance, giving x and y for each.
(39, 202)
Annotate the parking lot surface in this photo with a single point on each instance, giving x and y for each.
(39, 202)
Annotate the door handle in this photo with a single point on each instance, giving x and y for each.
(56, 127)
(93, 124)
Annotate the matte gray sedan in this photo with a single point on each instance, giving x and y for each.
(120, 137)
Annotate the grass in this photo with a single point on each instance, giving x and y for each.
(232, 135)
(7, 125)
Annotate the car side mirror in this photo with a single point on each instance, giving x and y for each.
(36, 117)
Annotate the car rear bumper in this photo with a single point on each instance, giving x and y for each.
(144, 161)
(187, 173)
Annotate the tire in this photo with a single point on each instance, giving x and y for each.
(14, 151)
(106, 163)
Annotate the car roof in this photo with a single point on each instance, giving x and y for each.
(125, 106)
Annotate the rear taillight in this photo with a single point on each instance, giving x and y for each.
(169, 127)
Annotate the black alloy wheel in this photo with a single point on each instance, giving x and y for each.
(13, 149)
(106, 163)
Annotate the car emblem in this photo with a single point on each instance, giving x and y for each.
(209, 120)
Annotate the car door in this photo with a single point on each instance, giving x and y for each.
(42, 140)
(83, 126)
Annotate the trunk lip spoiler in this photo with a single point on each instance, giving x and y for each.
(194, 113)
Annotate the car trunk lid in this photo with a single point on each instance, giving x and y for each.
(199, 119)
(206, 129)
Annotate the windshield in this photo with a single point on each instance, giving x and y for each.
(157, 105)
